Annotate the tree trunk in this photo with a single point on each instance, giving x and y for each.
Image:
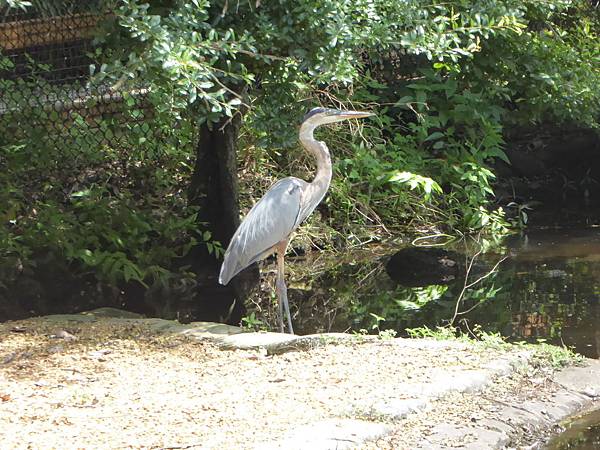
(214, 190)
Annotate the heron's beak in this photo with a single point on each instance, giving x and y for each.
(345, 115)
(354, 114)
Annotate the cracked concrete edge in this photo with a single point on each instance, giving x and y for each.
(229, 337)
(341, 433)
(273, 343)
(469, 380)
(278, 343)
(578, 391)
(537, 417)
(197, 330)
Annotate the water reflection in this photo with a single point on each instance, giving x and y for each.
(582, 433)
(548, 288)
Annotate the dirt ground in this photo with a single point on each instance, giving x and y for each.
(106, 385)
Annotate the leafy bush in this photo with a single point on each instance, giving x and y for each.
(448, 78)
(122, 232)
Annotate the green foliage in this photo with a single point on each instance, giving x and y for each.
(484, 338)
(557, 58)
(184, 58)
(107, 199)
(425, 184)
(384, 335)
(101, 227)
(556, 356)
(439, 333)
(449, 108)
(20, 4)
(252, 323)
(452, 75)
(544, 354)
(105, 196)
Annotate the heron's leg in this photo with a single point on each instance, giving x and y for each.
(282, 289)
(286, 306)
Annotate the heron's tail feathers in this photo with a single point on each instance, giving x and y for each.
(234, 262)
(228, 271)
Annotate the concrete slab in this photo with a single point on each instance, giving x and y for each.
(112, 312)
(585, 380)
(250, 341)
(578, 388)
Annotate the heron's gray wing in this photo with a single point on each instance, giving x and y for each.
(269, 222)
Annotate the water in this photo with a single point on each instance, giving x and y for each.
(548, 288)
(582, 433)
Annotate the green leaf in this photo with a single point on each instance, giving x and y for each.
(403, 101)
(81, 194)
(435, 135)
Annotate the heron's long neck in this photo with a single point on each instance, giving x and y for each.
(321, 153)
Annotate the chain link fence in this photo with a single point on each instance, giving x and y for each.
(46, 94)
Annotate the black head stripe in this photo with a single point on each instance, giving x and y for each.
(318, 110)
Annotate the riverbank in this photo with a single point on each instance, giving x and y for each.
(100, 381)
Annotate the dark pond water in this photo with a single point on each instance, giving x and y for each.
(582, 433)
(547, 288)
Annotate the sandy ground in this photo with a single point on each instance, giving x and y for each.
(102, 385)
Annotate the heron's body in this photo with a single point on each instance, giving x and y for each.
(269, 224)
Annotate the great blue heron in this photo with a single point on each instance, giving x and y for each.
(268, 226)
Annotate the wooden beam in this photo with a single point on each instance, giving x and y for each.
(52, 30)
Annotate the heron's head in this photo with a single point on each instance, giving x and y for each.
(322, 116)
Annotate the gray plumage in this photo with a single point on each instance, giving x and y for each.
(269, 224)
(270, 221)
